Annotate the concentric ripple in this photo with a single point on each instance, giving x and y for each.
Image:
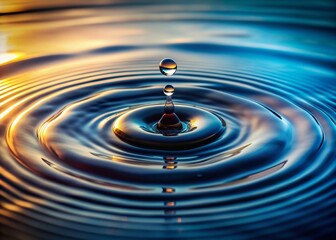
(270, 172)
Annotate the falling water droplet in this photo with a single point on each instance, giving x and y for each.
(168, 66)
(168, 90)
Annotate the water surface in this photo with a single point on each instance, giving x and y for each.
(69, 70)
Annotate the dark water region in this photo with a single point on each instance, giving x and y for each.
(255, 89)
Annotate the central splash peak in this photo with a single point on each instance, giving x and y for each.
(169, 120)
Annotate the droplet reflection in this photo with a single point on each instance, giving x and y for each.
(168, 66)
(168, 90)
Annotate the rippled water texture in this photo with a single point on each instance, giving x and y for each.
(69, 71)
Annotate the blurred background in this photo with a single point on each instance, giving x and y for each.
(35, 28)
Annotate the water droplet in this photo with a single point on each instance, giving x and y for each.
(168, 90)
(168, 66)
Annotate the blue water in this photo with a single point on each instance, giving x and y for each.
(266, 70)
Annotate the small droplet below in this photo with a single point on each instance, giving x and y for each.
(168, 90)
(168, 66)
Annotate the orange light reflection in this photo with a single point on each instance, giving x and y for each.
(9, 57)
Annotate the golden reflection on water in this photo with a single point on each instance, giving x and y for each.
(24, 5)
(168, 190)
(79, 30)
(70, 31)
(17, 205)
(9, 57)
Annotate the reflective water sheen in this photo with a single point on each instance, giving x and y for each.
(262, 166)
